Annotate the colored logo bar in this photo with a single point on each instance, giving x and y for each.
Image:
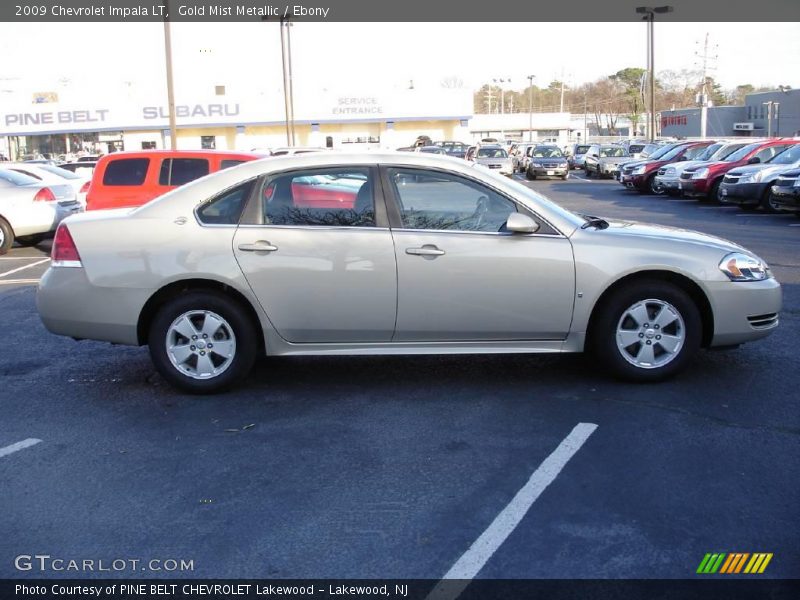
(734, 562)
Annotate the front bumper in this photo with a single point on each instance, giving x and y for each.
(694, 187)
(741, 193)
(786, 197)
(744, 311)
(549, 171)
(668, 184)
(633, 181)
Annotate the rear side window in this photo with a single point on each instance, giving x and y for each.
(177, 171)
(225, 164)
(226, 209)
(126, 171)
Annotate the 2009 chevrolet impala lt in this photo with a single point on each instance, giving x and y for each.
(394, 253)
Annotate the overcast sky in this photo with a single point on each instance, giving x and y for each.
(364, 56)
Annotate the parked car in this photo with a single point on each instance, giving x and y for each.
(576, 159)
(704, 180)
(294, 150)
(641, 175)
(56, 176)
(126, 179)
(31, 209)
(521, 157)
(547, 161)
(454, 149)
(751, 186)
(604, 160)
(232, 272)
(431, 150)
(84, 169)
(669, 176)
(786, 192)
(494, 157)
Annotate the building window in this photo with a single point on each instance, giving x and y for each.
(749, 112)
(148, 145)
(219, 90)
(361, 140)
(208, 142)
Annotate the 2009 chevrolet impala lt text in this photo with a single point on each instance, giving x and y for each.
(394, 253)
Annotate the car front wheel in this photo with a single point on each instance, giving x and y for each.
(646, 331)
(202, 342)
(767, 204)
(6, 236)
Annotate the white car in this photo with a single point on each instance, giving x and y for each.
(30, 209)
(50, 174)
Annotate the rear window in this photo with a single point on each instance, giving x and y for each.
(60, 172)
(635, 148)
(17, 178)
(126, 171)
(177, 171)
(581, 149)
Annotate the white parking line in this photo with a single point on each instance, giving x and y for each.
(17, 281)
(482, 549)
(38, 262)
(794, 224)
(18, 446)
(761, 215)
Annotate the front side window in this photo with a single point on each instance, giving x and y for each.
(693, 153)
(226, 209)
(767, 153)
(447, 202)
(328, 197)
(126, 171)
(177, 171)
(787, 157)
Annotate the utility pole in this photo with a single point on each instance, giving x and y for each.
(173, 130)
(286, 92)
(769, 106)
(702, 97)
(530, 107)
(489, 97)
(650, 16)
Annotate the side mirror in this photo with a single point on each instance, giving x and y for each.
(754, 160)
(594, 156)
(519, 223)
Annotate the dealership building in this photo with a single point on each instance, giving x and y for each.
(774, 113)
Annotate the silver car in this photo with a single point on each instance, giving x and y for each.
(411, 254)
(494, 157)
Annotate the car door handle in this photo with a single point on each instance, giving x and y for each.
(425, 251)
(259, 246)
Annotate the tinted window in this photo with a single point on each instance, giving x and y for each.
(126, 171)
(787, 157)
(226, 209)
(323, 197)
(442, 201)
(581, 149)
(225, 164)
(635, 148)
(177, 171)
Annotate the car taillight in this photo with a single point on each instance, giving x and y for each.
(44, 195)
(85, 188)
(64, 248)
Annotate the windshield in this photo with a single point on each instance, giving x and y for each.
(661, 152)
(581, 149)
(742, 152)
(670, 154)
(725, 151)
(60, 172)
(787, 157)
(635, 148)
(611, 151)
(710, 151)
(544, 152)
(492, 153)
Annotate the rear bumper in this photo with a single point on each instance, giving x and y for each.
(741, 193)
(744, 311)
(44, 217)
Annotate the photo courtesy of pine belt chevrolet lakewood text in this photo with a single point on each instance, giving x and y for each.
(392, 253)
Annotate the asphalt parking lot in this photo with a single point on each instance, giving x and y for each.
(392, 467)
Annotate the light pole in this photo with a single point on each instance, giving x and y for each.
(769, 106)
(502, 92)
(649, 16)
(530, 107)
(173, 131)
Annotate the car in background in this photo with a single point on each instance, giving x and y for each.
(576, 158)
(431, 150)
(434, 256)
(786, 192)
(669, 176)
(641, 175)
(547, 161)
(31, 209)
(604, 160)
(704, 180)
(521, 156)
(751, 186)
(294, 150)
(494, 157)
(454, 149)
(55, 175)
(89, 158)
(128, 179)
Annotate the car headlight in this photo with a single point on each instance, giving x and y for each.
(700, 174)
(639, 170)
(751, 177)
(743, 267)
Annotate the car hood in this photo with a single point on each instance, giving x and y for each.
(663, 233)
(614, 160)
(768, 169)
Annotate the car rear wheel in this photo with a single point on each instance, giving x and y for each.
(202, 342)
(6, 236)
(30, 240)
(646, 331)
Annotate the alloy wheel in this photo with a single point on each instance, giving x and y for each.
(201, 344)
(650, 333)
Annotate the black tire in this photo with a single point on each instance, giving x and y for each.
(766, 202)
(235, 317)
(6, 236)
(653, 187)
(530, 174)
(565, 176)
(588, 173)
(603, 333)
(714, 193)
(30, 240)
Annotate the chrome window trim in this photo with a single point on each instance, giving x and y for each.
(311, 227)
